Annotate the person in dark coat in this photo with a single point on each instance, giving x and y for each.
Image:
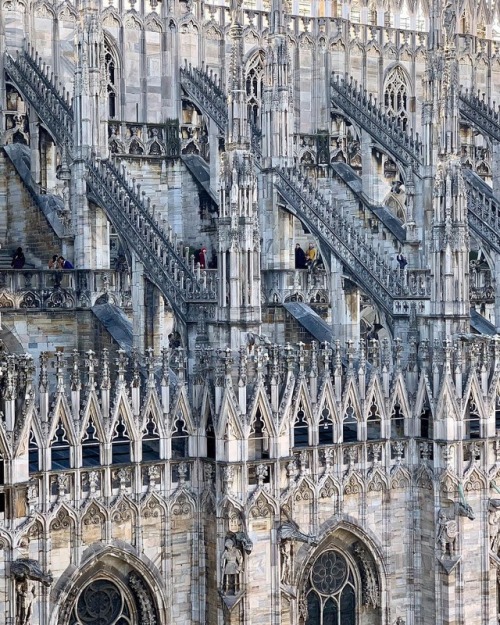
(202, 257)
(300, 257)
(18, 259)
(64, 264)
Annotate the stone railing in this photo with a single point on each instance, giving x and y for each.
(480, 113)
(133, 219)
(282, 285)
(144, 140)
(483, 210)
(362, 107)
(206, 93)
(45, 289)
(372, 271)
(33, 79)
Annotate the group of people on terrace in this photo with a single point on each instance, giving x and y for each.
(56, 262)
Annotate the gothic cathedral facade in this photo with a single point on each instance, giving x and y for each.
(264, 387)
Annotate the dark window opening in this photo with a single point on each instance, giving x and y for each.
(151, 441)
(60, 449)
(300, 430)
(120, 443)
(91, 456)
(180, 440)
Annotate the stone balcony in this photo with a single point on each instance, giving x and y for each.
(36, 289)
(284, 285)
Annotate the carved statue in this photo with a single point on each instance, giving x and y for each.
(232, 566)
(23, 570)
(286, 561)
(494, 527)
(449, 22)
(25, 597)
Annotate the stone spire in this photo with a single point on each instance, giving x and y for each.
(238, 123)
(238, 224)
(90, 97)
(277, 117)
(450, 235)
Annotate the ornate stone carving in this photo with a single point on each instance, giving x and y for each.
(231, 567)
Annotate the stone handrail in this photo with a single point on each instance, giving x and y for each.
(363, 108)
(133, 220)
(483, 210)
(367, 267)
(31, 76)
(480, 113)
(206, 93)
(45, 289)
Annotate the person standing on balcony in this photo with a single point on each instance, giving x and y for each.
(18, 259)
(300, 257)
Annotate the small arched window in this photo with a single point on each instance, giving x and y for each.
(33, 454)
(179, 439)
(373, 423)
(426, 423)
(397, 422)
(300, 430)
(120, 443)
(325, 427)
(60, 449)
(472, 421)
(150, 441)
(396, 96)
(350, 425)
(258, 441)
(210, 434)
(91, 446)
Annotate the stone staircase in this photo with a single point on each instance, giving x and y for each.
(483, 210)
(373, 271)
(362, 107)
(122, 201)
(203, 89)
(480, 113)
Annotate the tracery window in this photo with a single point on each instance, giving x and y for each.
(210, 433)
(331, 594)
(373, 423)
(111, 76)
(396, 96)
(101, 602)
(254, 89)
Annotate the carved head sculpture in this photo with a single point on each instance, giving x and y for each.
(465, 510)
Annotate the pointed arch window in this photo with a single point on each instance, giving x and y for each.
(150, 441)
(396, 96)
(91, 446)
(111, 76)
(497, 414)
(325, 427)
(300, 429)
(180, 439)
(331, 592)
(120, 443)
(472, 421)
(258, 441)
(33, 454)
(397, 422)
(373, 423)
(350, 425)
(60, 449)
(254, 89)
